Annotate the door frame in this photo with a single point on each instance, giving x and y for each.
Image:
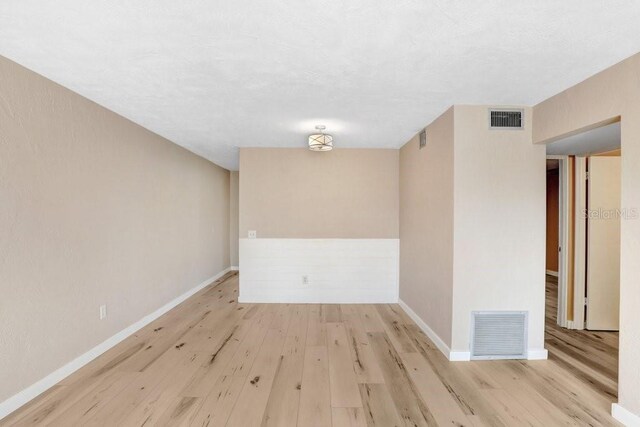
(580, 243)
(563, 237)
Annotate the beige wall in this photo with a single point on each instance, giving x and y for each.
(297, 193)
(93, 210)
(233, 216)
(499, 223)
(467, 202)
(600, 99)
(426, 226)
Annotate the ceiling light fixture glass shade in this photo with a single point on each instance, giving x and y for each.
(320, 141)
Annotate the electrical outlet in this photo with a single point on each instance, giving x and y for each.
(253, 234)
(305, 280)
(103, 312)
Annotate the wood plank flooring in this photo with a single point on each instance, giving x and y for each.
(589, 355)
(214, 362)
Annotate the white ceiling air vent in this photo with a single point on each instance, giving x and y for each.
(423, 139)
(506, 119)
(498, 335)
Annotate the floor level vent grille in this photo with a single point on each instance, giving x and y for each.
(499, 335)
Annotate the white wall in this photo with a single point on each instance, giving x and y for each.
(338, 270)
(499, 224)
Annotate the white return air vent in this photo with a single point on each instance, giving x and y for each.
(498, 335)
(506, 119)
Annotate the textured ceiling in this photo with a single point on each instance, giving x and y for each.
(213, 76)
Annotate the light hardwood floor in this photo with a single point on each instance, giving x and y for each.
(214, 362)
(589, 355)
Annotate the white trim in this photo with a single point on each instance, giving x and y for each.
(563, 238)
(459, 356)
(579, 280)
(625, 416)
(537, 354)
(452, 356)
(34, 390)
(564, 201)
(234, 268)
(444, 348)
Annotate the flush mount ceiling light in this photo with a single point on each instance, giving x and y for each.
(320, 141)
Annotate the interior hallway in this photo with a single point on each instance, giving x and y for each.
(211, 361)
(591, 356)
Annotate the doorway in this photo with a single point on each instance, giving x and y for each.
(583, 255)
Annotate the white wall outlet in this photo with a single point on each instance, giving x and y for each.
(305, 280)
(103, 312)
(253, 234)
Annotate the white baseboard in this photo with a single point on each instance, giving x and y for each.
(34, 390)
(537, 354)
(575, 325)
(442, 346)
(625, 416)
(552, 273)
(234, 268)
(459, 356)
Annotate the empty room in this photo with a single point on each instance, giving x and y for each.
(314, 213)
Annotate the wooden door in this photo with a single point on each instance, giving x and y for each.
(603, 244)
